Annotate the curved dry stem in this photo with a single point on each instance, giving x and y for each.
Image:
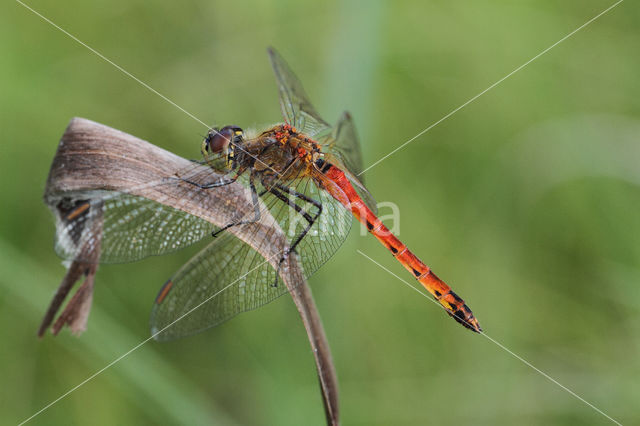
(92, 157)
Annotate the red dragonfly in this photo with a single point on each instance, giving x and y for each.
(302, 174)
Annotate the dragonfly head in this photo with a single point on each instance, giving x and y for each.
(222, 141)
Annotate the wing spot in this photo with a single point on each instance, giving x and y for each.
(164, 291)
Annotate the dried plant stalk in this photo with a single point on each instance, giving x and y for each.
(94, 157)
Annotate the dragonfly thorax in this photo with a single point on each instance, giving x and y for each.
(279, 152)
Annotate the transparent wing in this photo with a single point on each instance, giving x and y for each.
(343, 143)
(296, 107)
(133, 227)
(298, 111)
(343, 150)
(230, 276)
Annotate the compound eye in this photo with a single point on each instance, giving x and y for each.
(217, 140)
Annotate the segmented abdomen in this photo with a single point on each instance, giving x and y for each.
(452, 303)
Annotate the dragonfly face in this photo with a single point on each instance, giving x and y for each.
(223, 141)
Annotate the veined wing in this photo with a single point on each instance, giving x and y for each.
(299, 112)
(134, 227)
(343, 150)
(297, 109)
(233, 275)
(343, 143)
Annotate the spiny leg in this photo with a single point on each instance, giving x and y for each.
(310, 219)
(256, 209)
(223, 181)
(296, 207)
(300, 195)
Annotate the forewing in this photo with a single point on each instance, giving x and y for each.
(133, 227)
(298, 111)
(296, 107)
(342, 149)
(231, 276)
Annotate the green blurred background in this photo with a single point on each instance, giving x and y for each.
(526, 202)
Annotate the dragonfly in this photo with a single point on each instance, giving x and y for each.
(302, 174)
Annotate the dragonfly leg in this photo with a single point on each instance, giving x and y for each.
(256, 207)
(296, 207)
(220, 182)
(309, 218)
(297, 194)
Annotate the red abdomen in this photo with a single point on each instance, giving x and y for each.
(451, 302)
